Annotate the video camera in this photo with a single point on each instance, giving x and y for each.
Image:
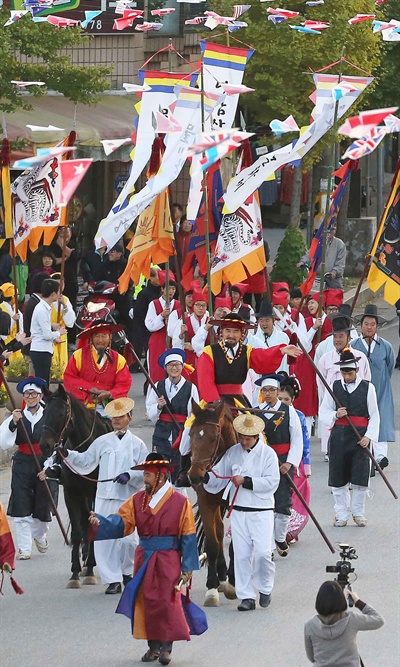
(343, 567)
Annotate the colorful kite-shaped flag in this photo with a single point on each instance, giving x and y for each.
(166, 125)
(314, 3)
(359, 18)
(237, 25)
(392, 123)
(43, 155)
(136, 88)
(301, 28)
(61, 21)
(22, 84)
(238, 10)
(197, 20)
(89, 16)
(282, 126)
(145, 26)
(380, 26)
(15, 16)
(162, 12)
(283, 12)
(237, 89)
(111, 145)
(276, 19)
(316, 25)
(359, 126)
(44, 128)
(341, 90)
(366, 145)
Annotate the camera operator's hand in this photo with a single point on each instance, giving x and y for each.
(352, 595)
(364, 442)
(341, 412)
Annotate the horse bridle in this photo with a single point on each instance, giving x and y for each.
(67, 423)
(210, 460)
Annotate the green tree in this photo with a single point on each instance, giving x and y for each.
(32, 52)
(290, 251)
(386, 92)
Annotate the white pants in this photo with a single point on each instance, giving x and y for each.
(281, 522)
(309, 423)
(344, 506)
(252, 536)
(325, 434)
(114, 557)
(380, 450)
(27, 529)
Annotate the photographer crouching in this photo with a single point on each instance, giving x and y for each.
(330, 637)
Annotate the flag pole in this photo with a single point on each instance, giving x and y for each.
(205, 194)
(71, 141)
(6, 164)
(167, 263)
(328, 201)
(378, 231)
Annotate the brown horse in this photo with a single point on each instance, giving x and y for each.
(211, 434)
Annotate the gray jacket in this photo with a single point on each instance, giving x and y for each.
(330, 641)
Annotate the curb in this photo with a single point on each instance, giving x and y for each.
(365, 295)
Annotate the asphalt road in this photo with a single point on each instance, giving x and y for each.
(50, 626)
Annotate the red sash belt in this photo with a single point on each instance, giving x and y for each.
(229, 388)
(357, 421)
(25, 449)
(165, 417)
(282, 448)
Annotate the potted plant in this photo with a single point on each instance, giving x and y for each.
(16, 370)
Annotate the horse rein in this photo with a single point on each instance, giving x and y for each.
(214, 459)
(211, 460)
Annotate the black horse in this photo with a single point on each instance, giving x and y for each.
(67, 420)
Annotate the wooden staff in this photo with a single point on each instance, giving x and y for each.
(14, 274)
(35, 458)
(308, 508)
(153, 386)
(257, 410)
(64, 218)
(348, 419)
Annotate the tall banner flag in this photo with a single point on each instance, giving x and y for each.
(250, 179)
(385, 267)
(196, 252)
(187, 112)
(153, 242)
(6, 229)
(160, 93)
(315, 252)
(221, 65)
(327, 85)
(240, 247)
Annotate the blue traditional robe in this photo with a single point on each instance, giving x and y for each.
(381, 361)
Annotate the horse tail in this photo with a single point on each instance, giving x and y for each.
(200, 535)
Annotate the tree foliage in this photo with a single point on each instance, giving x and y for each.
(280, 69)
(386, 91)
(32, 52)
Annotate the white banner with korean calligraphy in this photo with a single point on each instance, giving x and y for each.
(187, 112)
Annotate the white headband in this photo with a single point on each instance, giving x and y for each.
(270, 382)
(173, 357)
(33, 387)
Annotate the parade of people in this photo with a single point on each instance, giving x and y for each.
(199, 301)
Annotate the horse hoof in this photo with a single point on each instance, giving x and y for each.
(222, 585)
(74, 583)
(229, 591)
(212, 598)
(90, 581)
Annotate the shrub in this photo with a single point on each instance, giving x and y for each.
(290, 251)
(17, 369)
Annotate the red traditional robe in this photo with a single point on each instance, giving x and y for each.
(261, 360)
(191, 356)
(157, 342)
(307, 402)
(83, 372)
(157, 613)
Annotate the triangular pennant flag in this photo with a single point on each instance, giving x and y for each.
(72, 172)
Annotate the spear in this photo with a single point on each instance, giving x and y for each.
(35, 458)
(339, 405)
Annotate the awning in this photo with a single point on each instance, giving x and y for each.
(111, 118)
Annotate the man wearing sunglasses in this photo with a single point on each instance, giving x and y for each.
(28, 505)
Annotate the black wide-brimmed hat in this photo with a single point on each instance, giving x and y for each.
(370, 310)
(340, 323)
(154, 463)
(347, 359)
(266, 309)
(233, 321)
(99, 326)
